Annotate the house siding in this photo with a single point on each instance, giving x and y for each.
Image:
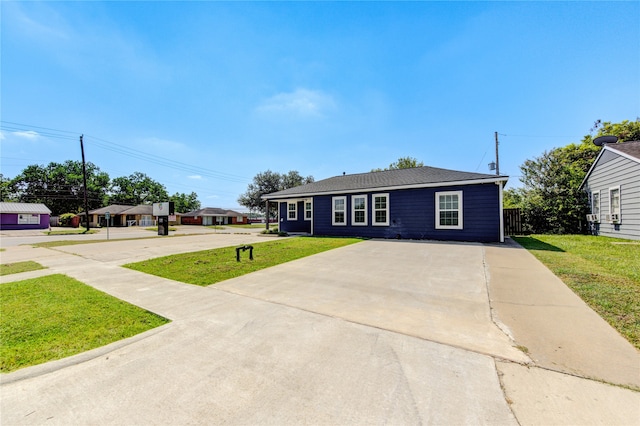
(411, 215)
(9, 221)
(613, 170)
(297, 225)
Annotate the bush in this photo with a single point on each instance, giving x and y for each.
(65, 219)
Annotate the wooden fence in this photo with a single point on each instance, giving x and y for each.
(512, 221)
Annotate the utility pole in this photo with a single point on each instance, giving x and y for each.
(84, 179)
(497, 160)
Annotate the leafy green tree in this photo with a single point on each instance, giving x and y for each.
(60, 186)
(268, 182)
(7, 190)
(513, 198)
(402, 163)
(625, 130)
(137, 188)
(185, 203)
(552, 202)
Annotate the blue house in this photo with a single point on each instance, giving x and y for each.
(415, 203)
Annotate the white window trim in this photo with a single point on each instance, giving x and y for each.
(353, 210)
(310, 202)
(28, 219)
(593, 194)
(460, 210)
(374, 210)
(613, 188)
(333, 211)
(295, 210)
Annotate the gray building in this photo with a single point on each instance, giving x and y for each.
(613, 187)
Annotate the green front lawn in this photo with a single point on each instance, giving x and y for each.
(211, 266)
(53, 317)
(71, 231)
(18, 267)
(604, 272)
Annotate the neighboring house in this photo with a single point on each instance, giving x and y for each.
(416, 203)
(120, 215)
(24, 216)
(214, 216)
(613, 187)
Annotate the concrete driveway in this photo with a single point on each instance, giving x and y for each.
(377, 332)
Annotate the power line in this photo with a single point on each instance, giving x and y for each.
(123, 150)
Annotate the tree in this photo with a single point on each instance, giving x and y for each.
(7, 190)
(137, 188)
(552, 200)
(60, 186)
(402, 163)
(185, 203)
(513, 198)
(268, 182)
(625, 130)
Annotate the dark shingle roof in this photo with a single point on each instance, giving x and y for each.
(388, 179)
(632, 149)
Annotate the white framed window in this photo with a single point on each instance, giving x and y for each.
(28, 219)
(338, 211)
(595, 203)
(308, 210)
(380, 209)
(292, 211)
(359, 210)
(449, 210)
(614, 200)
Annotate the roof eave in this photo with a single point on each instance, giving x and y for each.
(388, 188)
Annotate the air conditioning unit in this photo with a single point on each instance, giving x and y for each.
(593, 218)
(615, 218)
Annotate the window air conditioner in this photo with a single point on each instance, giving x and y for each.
(615, 218)
(593, 218)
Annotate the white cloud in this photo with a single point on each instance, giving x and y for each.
(301, 102)
(27, 134)
(197, 177)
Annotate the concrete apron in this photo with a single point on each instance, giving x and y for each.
(325, 339)
(232, 358)
(434, 291)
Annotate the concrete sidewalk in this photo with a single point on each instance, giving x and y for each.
(377, 332)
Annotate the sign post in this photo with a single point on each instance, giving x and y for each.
(107, 217)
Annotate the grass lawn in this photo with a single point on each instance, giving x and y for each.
(17, 267)
(71, 231)
(53, 317)
(211, 266)
(604, 272)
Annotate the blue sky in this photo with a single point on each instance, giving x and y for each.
(208, 94)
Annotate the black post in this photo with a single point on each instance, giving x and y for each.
(267, 213)
(84, 179)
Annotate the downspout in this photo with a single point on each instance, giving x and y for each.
(500, 195)
(267, 214)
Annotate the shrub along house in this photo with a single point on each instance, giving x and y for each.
(613, 187)
(415, 203)
(24, 216)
